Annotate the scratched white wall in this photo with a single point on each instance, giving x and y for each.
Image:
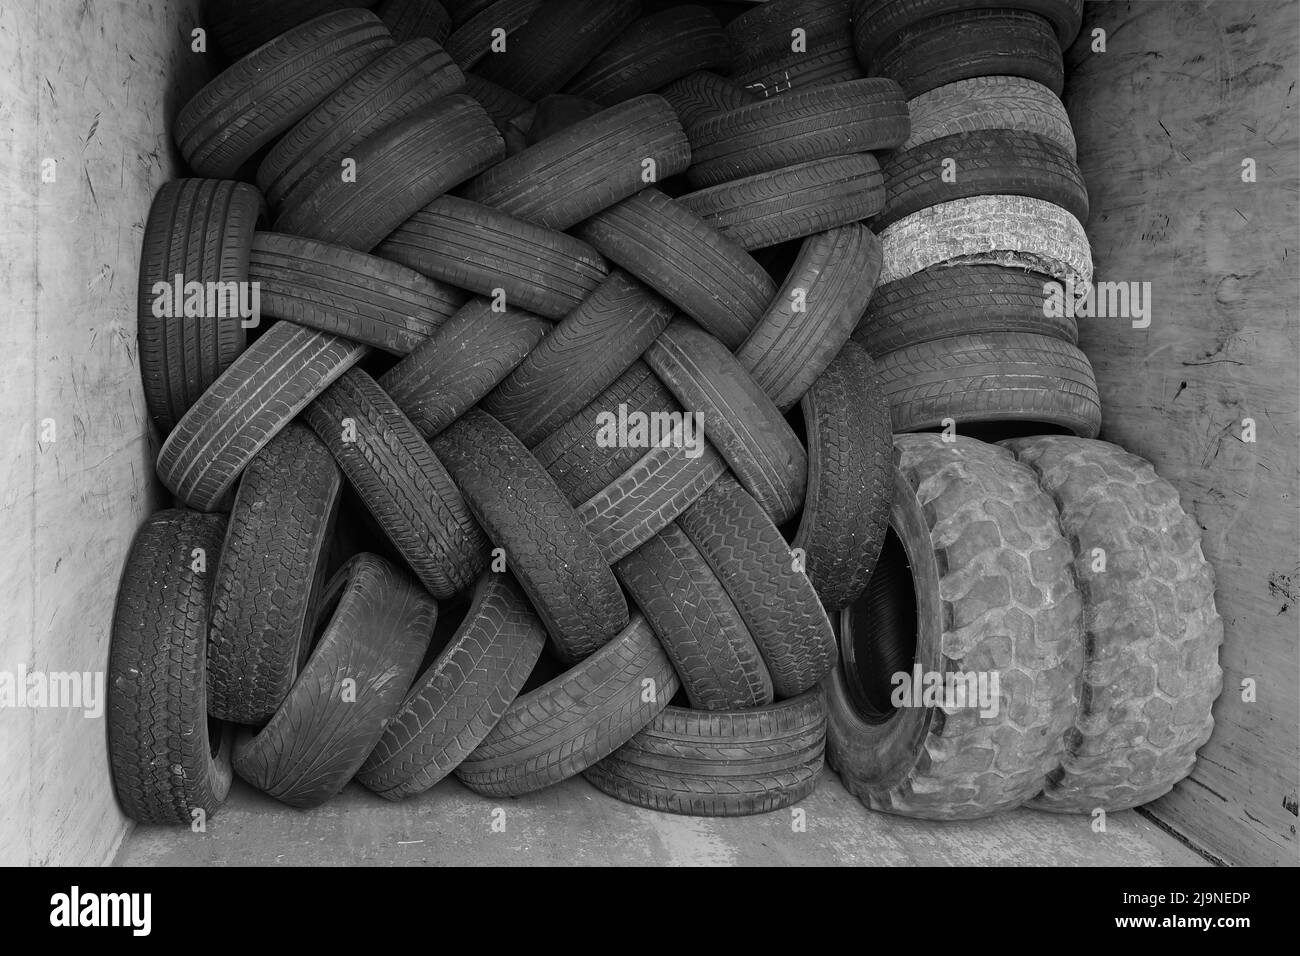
(91, 86)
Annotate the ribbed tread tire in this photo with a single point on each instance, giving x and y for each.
(999, 162)
(669, 248)
(830, 282)
(563, 727)
(401, 482)
(201, 229)
(850, 477)
(988, 378)
(764, 61)
(739, 419)
(556, 43)
(574, 454)
(959, 300)
(971, 43)
(260, 393)
(990, 230)
(241, 26)
(798, 127)
(653, 52)
(721, 764)
(349, 293)
(716, 660)
(483, 249)
(405, 79)
(460, 697)
(1152, 634)
(579, 358)
(262, 95)
(159, 750)
(269, 575)
(791, 203)
(546, 547)
(876, 22)
(461, 363)
(588, 167)
(399, 169)
(833, 62)
(776, 601)
(413, 19)
(471, 40)
(990, 102)
(704, 93)
(379, 626)
(994, 593)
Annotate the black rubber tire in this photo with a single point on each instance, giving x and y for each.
(798, 127)
(558, 40)
(415, 19)
(704, 635)
(588, 167)
(547, 549)
(993, 378)
(166, 766)
(461, 695)
(787, 350)
(557, 112)
(201, 229)
(721, 764)
(241, 26)
(483, 249)
(791, 203)
(349, 293)
(764, 59)
(877, 22)
(579, 358)
(264, 94)
(669, 248)
(959, 300)
(378, 626)
(407, 78)
(400, 169)
(702, 94)
(1001, 162)
(653, 52)
(563, 727)
(471, 40)
(463, 10)
(959, 46)
(401, 482)
(774, 598)
(850, 477)
(261, 392)
(461, 363)
(502, 105)
(574, 455)
(993, 592)
(743, 424)
(834, 62)
(1151, 631)
(269, 576)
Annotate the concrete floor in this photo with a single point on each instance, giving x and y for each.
(575, 824)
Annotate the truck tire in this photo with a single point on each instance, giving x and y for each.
(270, 575)
(990, 102)
(1151, 653)
(170, 762)
(461, 695)
(974, 578)
(374, 626)
(723, 763)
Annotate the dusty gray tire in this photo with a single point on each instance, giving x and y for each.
(977, 570)
(993, 378)
(374, 625)
(170, 763)
(563, 727)
(990, 102)
(269, 575)
(462, 694)
(721, 764)
(1151, 654)
(990, 230)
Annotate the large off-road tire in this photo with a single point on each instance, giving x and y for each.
(975, 578)
(1151, 653)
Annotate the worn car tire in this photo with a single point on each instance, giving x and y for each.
(990, 102)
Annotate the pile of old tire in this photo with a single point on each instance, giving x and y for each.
(443, 501)
(982, 222)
